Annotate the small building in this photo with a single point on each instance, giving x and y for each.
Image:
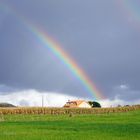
(77, 104)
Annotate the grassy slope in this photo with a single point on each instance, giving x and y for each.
(116, 126)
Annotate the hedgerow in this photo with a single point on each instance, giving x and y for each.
(57, 111)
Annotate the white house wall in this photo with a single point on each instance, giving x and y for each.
(84, 105)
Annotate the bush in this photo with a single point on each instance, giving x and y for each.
(94, 104)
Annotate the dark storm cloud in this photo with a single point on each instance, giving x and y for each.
(95, 33)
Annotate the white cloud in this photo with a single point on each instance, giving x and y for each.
(51, 99)
(116, 102)
(124, 87)
(121, 87)
(34, 98)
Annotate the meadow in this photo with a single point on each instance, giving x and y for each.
(121, 125)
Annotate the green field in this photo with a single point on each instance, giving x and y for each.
(113, 126)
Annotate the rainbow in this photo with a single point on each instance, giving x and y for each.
(62, 55)
(132, 10)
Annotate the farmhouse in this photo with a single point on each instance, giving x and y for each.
(77, 104)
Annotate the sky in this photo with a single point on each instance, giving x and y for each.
(102, 37)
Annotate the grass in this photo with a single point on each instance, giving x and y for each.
(113, 126)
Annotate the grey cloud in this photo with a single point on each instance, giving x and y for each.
(125, 92)
(95, 33)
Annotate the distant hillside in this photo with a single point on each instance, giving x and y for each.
(6, 105)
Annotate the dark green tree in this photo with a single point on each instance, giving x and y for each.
(94, 104)
(6, 105)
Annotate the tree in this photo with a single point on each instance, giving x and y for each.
(94, 104)
(6, 105)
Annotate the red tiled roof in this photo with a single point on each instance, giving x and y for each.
(74, 103)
